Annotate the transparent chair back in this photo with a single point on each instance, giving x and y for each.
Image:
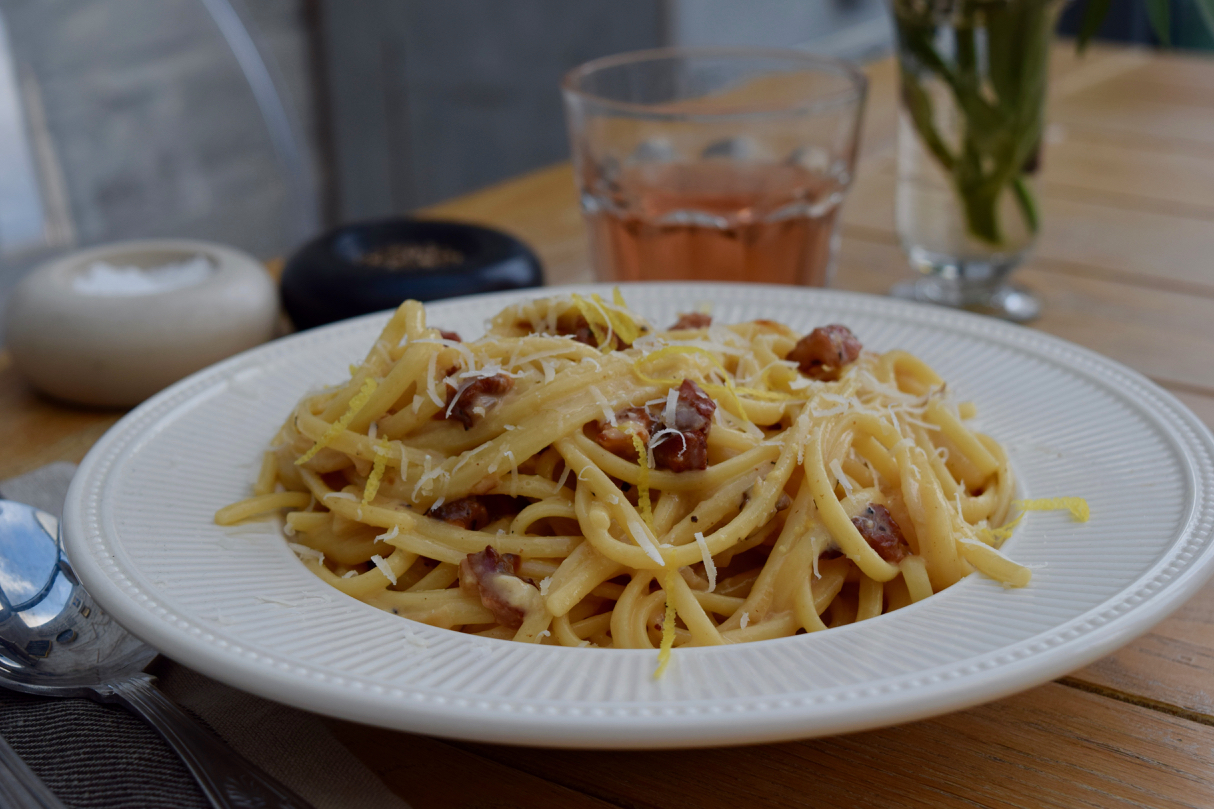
(123, 119)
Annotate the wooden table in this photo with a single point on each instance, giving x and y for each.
(1126, 267)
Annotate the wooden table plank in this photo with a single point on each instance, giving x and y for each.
(1145, 244)
(35, 431)
(1171, 667)
(1050, 747)
(431, 774)
(541, 209)
(1138, 177)
(1155, 331)
(1168, 111)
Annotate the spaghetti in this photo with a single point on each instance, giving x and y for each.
(577, 477)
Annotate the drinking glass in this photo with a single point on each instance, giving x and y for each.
(717, 165)
(973, 79)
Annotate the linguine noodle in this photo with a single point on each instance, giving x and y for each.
(577, 477)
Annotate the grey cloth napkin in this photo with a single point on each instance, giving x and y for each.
(99, 757)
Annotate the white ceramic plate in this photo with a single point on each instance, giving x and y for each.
(237, 605)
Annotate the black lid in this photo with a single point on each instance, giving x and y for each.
(367, 267)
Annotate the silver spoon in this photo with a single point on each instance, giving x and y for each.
(56, 642)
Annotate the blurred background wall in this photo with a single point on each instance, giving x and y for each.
(257, 122)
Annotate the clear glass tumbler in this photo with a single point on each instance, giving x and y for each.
(717, 165)
(973, 77)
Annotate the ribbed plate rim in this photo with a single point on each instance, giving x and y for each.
(676, 722)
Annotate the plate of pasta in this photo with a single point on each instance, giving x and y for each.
(648, 516)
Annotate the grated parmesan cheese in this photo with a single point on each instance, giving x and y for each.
(608, 412)
(642, 536)
(710, 567)
(384, 568)
(672, 399)
(467, 456)
(894, 417)
(745, 620)
(304, 552)
(349, 574)
(659, 438)
(432, 379)
(428, 476)
(836, 469)
(513, 472)
(545, 583)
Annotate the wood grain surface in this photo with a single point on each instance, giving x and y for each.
(1049, 747)
(1125, 266)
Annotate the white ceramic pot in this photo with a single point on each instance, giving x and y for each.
(119, 349)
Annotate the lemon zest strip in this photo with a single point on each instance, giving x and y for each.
(1076, 505)
(600, 324)
(624, 324)
(997, 536)
(667, 627)
(728, 390)
(377, 471)
(356, 404)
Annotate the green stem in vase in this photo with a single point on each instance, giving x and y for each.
(995, 74)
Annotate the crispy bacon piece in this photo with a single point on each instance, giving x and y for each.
(824, 352)
(688, 449)
(692, 320)
(692, 418)
(881, 533)
(494, 577)
(475, 398)
(450, 335)
(468, 513)
(582, 333)
(618, 440)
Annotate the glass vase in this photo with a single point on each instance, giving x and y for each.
(973, 86)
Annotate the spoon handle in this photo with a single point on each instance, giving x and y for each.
(20, 788)
(228, 780)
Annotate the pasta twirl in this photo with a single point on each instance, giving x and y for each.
(577, 477)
